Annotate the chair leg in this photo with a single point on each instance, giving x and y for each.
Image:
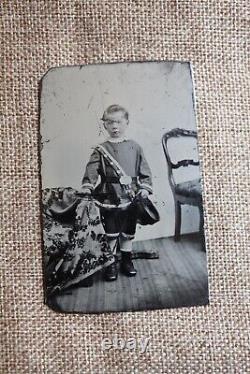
(177, 221)
(201, 228)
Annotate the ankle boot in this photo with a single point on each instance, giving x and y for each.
(127, 266)
(111, 272)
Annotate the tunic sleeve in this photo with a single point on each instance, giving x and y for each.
(145, 176)
(92, 171)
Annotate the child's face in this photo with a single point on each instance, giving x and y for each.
(116, 124)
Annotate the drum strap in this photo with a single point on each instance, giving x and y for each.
(124, 179)
(108, 157)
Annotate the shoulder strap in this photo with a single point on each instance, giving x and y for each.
(126, 184)
(107, 156)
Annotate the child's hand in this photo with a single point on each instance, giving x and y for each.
(143, 193)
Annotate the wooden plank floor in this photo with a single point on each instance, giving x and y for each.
(177, 278)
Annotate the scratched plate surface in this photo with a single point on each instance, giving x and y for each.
(156, 102)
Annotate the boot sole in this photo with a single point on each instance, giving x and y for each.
(110, 279)
(128, 274)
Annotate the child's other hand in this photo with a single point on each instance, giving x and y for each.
(143, 193)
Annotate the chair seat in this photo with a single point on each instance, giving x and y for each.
(189, 189)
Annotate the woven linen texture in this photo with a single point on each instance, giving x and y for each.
(213, 35)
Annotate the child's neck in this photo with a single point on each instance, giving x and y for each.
(116, 140)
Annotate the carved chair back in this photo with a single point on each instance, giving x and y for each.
(176, 133)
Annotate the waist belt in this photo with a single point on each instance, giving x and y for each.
(116, 179)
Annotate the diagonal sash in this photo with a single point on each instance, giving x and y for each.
(124, 179)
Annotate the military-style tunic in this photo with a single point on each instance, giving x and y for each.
(102, 178)
(130, 156)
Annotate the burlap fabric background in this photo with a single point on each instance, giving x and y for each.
(213, 36)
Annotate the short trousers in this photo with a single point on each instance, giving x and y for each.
(119, 222)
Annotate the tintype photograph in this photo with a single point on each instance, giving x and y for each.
(121, 199)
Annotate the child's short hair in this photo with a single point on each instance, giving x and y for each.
(114, 108)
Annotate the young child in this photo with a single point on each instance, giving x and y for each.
(117, 172)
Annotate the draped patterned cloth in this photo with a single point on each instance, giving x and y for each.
(75, 243)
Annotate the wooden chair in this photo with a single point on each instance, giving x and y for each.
(186, 192)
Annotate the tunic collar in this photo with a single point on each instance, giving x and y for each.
(116, 140)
